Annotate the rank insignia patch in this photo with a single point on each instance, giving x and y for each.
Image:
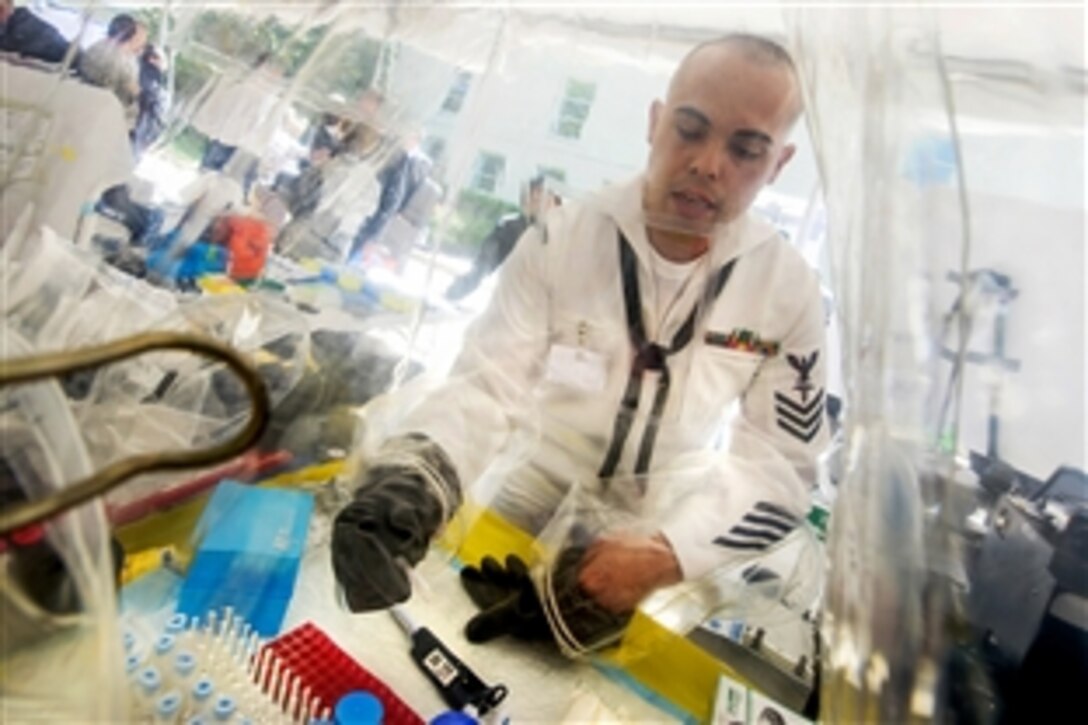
(764, 525)
(803, 366)
(801, 419)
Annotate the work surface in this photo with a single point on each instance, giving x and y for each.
(544, 686)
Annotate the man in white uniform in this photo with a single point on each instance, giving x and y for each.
(626, 331)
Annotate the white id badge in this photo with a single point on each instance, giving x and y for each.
(576, 367)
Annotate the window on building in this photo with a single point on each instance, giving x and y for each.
(487, 174)
(455, 97)
(574, 110)
(552, 172)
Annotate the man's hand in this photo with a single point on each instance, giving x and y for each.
(619, 570)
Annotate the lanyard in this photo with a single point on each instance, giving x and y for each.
(649, 356)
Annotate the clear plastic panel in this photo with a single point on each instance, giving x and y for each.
(59, 612)
(937, 200)
(178, 401)
(773, 586)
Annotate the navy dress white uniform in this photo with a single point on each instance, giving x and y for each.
(619, 362)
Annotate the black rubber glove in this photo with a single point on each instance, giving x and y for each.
(507, 600)
(390, 523)
(510, 603)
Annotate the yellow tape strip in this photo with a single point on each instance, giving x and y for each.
(476, 532)
(671, 666)
(319, 473)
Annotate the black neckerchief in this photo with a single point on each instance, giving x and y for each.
(649, 356)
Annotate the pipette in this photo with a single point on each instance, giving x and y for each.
(458, 685)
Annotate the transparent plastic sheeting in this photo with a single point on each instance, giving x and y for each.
(62, 297)
(943, 139)
(573, 86)
(47, 654)
(59, 297)
(941, 214)
(777, 587)
(176, 401)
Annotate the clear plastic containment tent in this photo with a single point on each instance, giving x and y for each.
(956, 225)
(939, 190)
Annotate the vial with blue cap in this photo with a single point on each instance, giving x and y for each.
(224, 708)
(202, 691)
(162, 651)
(149, 679)
(168, 707)
(184, 664)
(453, 717)
(164, 644)
(148, 682)
(177, 624)
(358, 708)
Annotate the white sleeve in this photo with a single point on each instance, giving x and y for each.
(759, 491)
(471, 415)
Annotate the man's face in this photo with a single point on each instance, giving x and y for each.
(719, 137)
(7, 7)
(136, 43)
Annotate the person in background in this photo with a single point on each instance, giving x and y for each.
(623, 337)
(236, 242)
(536, 200)
(330, 136)
(153, 100)
(113, 62)
(247, 238)
(242, 109)
(301, 192)
(400, 178)
(327, 135)
(331, 190)
(24, 33)
(142, 221)
(212, 194)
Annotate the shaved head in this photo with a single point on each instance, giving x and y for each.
(755, 47)
(720, 135)
(757, 50)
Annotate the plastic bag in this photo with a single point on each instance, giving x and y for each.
(178, 400)
(54, 634)
(767, 588)
(58, 296)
